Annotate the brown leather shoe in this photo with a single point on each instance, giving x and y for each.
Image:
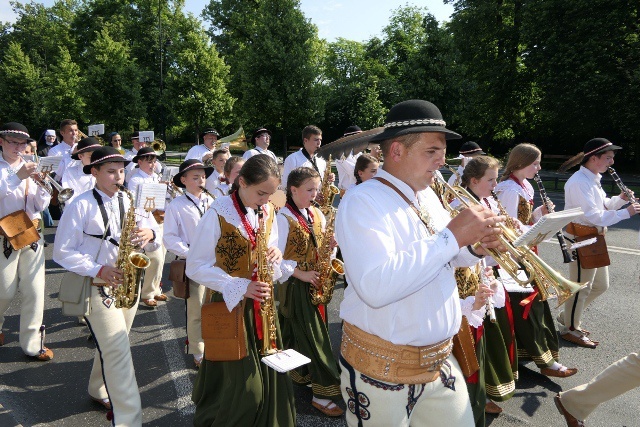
(161, 297)
(106, 403)
(336, 411)
(570, 419)
(581, 341)
(558, 373)
(45, 355)
(150, 302)
(492, 408)
(1, 339)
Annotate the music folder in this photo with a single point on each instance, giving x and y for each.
(284, 361)
(547, 226)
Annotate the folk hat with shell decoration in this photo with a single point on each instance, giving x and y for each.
(414, 116)
(85, 145)
(17, 130)
(188, 165)
(144, 152)
(104, 155)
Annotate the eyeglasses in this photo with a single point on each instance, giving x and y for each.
(19, 143)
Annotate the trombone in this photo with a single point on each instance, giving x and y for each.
(516, 257)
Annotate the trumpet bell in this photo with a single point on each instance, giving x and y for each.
(65, 195)
(159, 147)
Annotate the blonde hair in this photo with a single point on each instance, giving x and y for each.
(520, 156)
(477, 167)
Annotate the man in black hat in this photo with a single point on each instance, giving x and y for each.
(205, 151)
(401, 308)
(88, 241)
(21, 267)
(468, 150)
(261, 139)
(583, 190)
(151, 291)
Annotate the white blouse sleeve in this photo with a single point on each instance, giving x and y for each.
(287, 266)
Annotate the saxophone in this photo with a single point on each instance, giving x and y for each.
(265, 274)
(328, 268)
(327, 192)
(130, 261)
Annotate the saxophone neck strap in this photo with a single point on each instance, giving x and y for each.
(105, 218)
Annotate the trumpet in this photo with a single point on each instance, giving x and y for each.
(517, 257)
(159, 147)
(64, 194)
(625, 190)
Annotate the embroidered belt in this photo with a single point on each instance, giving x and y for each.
(385, 361)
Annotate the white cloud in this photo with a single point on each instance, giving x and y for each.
(332, 6)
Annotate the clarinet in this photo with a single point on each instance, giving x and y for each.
(491, 311)
(625, 190)
(547, 203)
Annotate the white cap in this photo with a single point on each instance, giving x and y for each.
(50, 132)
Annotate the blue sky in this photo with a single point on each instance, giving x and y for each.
(351, 19)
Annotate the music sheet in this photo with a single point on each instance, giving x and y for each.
(284, 361)
(547, 226)
(151, 196)
(49, 164)
(169, 172)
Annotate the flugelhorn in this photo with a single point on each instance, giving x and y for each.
(517, 257)
(158, 146)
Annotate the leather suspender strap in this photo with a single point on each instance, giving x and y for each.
(406, 199)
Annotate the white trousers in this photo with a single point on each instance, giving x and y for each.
(113, 375)
(153, 274)
(194, 317)
(618, 378)
(24, 271)
(371, 402)
(598, 279)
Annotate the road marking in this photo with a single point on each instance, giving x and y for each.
(616, 249)
(177, 366)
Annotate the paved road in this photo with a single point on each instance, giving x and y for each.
(54, 393)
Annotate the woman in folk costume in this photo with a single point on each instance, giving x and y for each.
(534, 328)
(501, 368)
(222, 257)
(304, 324)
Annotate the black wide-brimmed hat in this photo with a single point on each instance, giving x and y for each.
(189, 165)
(470, 147)
(16, 130)
(104, 155)
(352, 130)
(599, 145)
(85, 145)
(135, 135)
(259, 132)
(144, 152)
(414, 116)
(208, 131)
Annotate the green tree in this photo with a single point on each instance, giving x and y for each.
(18, 80)
(60, 93)
(112, 87)
(195, 90)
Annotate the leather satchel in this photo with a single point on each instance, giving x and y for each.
(179, 278)
(595, 255)
(75, 294)
(223, 332)
(19, 230)
(464, 350)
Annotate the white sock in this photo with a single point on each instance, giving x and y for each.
(558, 367)
(324, 402)
(198, 357)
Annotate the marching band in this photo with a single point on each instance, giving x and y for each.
(430, 333)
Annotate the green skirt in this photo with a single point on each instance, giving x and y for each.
(500, 373)
(476, 389)
(304, 330)
(244, 392)
(536, 336)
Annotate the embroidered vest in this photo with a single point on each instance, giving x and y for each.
(525, 209)
(467, 280)
(299, 246)
(233, 251)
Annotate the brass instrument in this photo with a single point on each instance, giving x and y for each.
(625, 190)
(64, 194)
(455, 172)
(547, 202)
(517, 257)
(173, 190)
(159, 147)
(265, 275)
(509, 219)
(130, 261)
(207, 192)
(328, 268)
(328, 191)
